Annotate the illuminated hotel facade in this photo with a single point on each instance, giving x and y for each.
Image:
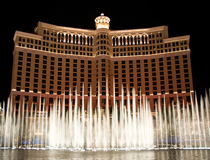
(55, 61)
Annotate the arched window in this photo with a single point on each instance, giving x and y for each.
(139, 42)
(59, 38)
(123, 40)
(74, 39)
(83, 41)
(80, 39)
(67, 38)
(128, 40)
(112, 41)
(88, 40)
(91, 41)
(70, 38)
(131, 39)
(116, 41)
(135, 38)
(142, 38)
(62, 37)
(146, 39)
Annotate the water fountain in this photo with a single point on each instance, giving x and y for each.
(127, 128)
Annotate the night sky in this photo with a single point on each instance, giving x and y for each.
(181, 18)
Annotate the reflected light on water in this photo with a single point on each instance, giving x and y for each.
(105, 155)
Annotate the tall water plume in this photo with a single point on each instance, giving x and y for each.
(128, 126)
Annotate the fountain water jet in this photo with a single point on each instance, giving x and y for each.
(128, 127)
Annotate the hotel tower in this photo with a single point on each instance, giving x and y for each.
(53, 63)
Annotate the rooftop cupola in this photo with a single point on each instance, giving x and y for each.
(102, 21)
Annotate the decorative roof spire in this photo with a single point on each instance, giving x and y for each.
(102, 21)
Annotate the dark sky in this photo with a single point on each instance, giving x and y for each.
(181, 18)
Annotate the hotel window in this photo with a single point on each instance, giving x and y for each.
(26, 89)
(170, 86)
(187, 85)
(20, 58)
(28, 64)
(28, 74)
(184, 56)
(170, 82)
(186, 66)
(20, 68)
(185, 61)
(176, 57)
(20, 53)
(19, 78)
(185, 70)
(18, 83)
(170, 91)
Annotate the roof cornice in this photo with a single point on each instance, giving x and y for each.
(64, 29)
(143, 30)
(28, 35)
(179, 38)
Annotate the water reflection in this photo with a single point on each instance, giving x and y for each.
(99, 155)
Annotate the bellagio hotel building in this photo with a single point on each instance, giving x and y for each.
(55, 61)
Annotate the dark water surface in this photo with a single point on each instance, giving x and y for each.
(102, 155)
